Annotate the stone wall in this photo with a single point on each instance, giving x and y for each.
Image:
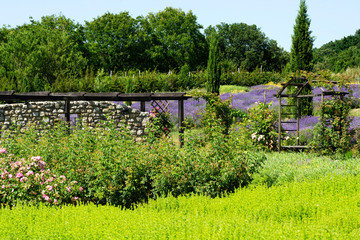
(89, 113)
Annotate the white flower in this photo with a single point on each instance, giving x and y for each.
(260, 137)
(253, 136)
(287, 138)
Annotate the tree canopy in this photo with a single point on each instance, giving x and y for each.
(34, 55)
(339, 55)
(247, 47)
(176, 40)
(38, 54)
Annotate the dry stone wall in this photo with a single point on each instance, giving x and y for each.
(90, 113)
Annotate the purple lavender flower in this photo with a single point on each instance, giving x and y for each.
(246, 100)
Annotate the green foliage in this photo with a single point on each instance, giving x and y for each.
(260, 123)
(114, 169)
(115, 42)
(301, 55)
(332, 133)
(159, 125)
(305, 104)
(339, 55)
(27, 181)
(37, 54)
(213, 66)
(249, 79)
(246, 47)
(185, 76)
(217, 113)
(176, 40)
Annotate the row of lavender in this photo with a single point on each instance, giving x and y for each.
(246, 100)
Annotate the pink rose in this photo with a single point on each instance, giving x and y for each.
(68, 189)
(10, 175)
(63, 177)
(46, 197)
(50, 179)
(23, 179)
(3, 150)
(81, 189)
(29, 173)
(49, 187)
(19, 175)
(18, 164)
(42, 164)
(37, 158)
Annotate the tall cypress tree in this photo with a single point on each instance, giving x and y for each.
(213, 66)
(301, 55)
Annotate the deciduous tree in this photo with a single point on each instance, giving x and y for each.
(35, 55)
(113, 42)
(247, 47)
(176, 40)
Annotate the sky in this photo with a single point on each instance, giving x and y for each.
(330, 19)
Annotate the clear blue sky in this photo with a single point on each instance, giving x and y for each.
(330, 19)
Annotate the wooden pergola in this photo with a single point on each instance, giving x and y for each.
(12, 96)
(298, 95)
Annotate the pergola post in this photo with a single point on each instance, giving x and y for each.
(297, 120)
(142, 106)
(67, 113)
(181, 120)
(279, 128)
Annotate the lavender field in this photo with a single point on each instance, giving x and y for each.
(246, 100)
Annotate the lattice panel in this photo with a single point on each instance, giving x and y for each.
(160, 106)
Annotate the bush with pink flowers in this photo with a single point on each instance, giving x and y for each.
(28, 181)
(159, 124)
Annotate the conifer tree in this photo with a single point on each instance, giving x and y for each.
(213, 66)
(301, 55)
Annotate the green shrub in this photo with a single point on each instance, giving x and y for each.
(332, 134)
(218, 113)
(159, 125)
(260, 123)
(27, 181)
(148, 81)
(114, 169)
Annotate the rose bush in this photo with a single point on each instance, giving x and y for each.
(28, 181)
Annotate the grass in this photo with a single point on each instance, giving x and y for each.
(325, 208)
(355, 112)
(233, 89)
(286, 167)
